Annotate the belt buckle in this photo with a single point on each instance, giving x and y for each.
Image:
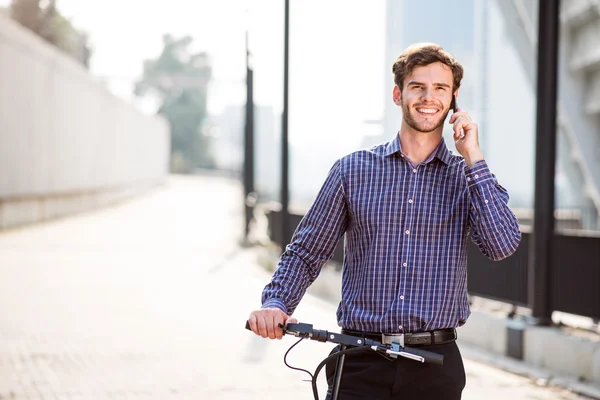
(391, 339)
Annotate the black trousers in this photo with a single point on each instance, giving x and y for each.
(372, 376)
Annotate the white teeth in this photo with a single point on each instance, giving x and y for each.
(426, 111)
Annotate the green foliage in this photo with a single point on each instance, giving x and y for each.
(179, 79)
(44, 19)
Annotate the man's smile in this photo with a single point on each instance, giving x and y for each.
(427, 111)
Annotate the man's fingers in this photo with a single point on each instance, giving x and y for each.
(284, 320)
(271, 324)
(253, 324)
(456, 115)
(279, 319)
(458, 128)
(265, 322)
(262, 327)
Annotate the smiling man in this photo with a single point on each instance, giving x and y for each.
(408, 208)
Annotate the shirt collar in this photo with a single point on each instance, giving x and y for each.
(441, 152)
(393, 146)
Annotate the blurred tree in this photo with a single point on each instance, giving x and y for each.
(43, 18)
(179, 79)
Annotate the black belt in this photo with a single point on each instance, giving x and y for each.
(440, 336)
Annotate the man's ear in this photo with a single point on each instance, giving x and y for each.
(397, 95)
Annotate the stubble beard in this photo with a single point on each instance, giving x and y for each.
(424, 127)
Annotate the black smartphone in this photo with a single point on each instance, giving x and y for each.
(453, 104)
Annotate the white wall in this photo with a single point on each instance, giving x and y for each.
(62, 133)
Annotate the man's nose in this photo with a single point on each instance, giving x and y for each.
(427, 95)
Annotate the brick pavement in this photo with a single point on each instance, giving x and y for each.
(147, 299)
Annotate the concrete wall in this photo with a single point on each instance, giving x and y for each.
(66, 143)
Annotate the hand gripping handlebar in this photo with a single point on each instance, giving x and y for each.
(393, 350)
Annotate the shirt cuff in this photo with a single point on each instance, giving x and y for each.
(477, 174)
(275, 303)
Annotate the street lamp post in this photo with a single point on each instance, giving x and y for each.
(249, 195)
(540, 254)
(285, 230)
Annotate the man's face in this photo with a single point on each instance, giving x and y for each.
(426, 96)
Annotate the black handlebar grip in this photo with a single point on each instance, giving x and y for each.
(430, 357)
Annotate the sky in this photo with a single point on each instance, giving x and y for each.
(336, 54)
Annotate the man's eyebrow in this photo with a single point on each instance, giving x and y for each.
(422, 84)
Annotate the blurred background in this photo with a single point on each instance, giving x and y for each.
(138, 135)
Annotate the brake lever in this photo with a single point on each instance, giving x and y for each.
(298, 329)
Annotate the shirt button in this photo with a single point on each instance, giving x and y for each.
(414, 170)
(401, 297)
(476, 176)
(468, 179)
(486, 201)
(400, 327)
(407, 232)
(404, 264)
(410, 201)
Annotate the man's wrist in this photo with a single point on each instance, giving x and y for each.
(472, 157)
(275, 303)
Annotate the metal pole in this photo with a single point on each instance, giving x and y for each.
(249, 195)
(540, 254)
(284, 238)
(337, 380)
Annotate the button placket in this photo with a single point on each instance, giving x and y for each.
(413, 180)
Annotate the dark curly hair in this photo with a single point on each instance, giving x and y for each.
(421, 54)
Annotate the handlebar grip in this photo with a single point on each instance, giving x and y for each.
(429, 356)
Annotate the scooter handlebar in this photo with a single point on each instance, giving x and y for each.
(315, 334)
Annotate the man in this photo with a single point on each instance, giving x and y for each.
(408, 208)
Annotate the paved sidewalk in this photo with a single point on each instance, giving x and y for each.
(147, 300)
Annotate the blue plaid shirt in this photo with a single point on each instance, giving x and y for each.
(407, 229)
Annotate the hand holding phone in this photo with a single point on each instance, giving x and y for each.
(466, 136)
